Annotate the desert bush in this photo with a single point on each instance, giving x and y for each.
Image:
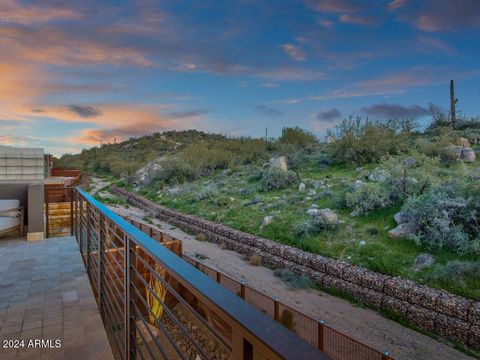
(361, 141)
(255, 260)
(302, 230)
(206, 193)
(454, 271)
(439, 219)
(368, 197)
(275, 179)
(294, 280)
(297, 136)
(201, 237)
(410, 174)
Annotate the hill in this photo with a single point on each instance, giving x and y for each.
(382, 196)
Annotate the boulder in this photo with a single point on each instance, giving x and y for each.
(147, 173)
(267, 220)
(311, 192)
(356, 185)
(314, 206)
(301, 187)
(319, 185)
(327, 216)
(463, 153)
(379, 176)
(313, 211)
(462, 142)
(423, 260)
(400, 218)
(279, 163)
(402, 231)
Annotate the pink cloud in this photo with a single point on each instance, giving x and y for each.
(11, 11)
(294, 52)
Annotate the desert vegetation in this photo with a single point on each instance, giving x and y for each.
(379, 194)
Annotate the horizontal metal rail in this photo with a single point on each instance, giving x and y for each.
(169, 309)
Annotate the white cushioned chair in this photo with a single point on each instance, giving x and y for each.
(11, 218)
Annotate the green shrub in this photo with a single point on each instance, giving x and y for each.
(294, 280)
(410, 174)
(206, 193)
(275, 179)
(454, 271)
(368, 197)
(297, 136)
(438, 218)
(302, 230)
(360, 141)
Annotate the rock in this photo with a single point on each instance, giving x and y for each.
(144, 331)
(462, 142)
(400, 218)
(313, 211)
(173, 191)
(231, 199)
(379, 176)
(279, 163)
(255, 200)
(411, 180)
(301, 187)
(146, 174)
(314, 206)
(358, 169)
(357, 184)
(327, 216)
(267, 220)
(456, 152)
(311, 192)
(354, 213)
(307, 198)
(402, 231)
(409, 161)
(423, 260)
(319, 185)
(363, 243)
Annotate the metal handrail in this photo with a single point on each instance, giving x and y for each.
(254, 326)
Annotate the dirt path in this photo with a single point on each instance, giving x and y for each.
(97, 184)
(362, 324)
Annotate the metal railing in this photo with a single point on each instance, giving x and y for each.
(317, 333)
(155, 305)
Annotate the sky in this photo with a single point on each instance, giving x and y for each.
(77, 73)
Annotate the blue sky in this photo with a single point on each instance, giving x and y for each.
(77, 73)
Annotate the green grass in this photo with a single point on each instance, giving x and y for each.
(288, 206)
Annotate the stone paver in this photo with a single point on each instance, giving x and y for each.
(45, 295)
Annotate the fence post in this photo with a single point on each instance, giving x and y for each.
(101, 254)
(87, 230)
(219, 276)
(242, 290)
(71, 211)
(321, 335)
(277, 310)
(47, 215)
(129, 322)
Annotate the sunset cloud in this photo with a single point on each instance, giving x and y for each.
(11, 11)
(294, 52)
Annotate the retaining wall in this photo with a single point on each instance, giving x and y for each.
(433, 310)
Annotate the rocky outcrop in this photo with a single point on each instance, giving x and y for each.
(379, 176)
(146, 174)
(430, 309)
(456, 152)
(279, 163)
(402, 231)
